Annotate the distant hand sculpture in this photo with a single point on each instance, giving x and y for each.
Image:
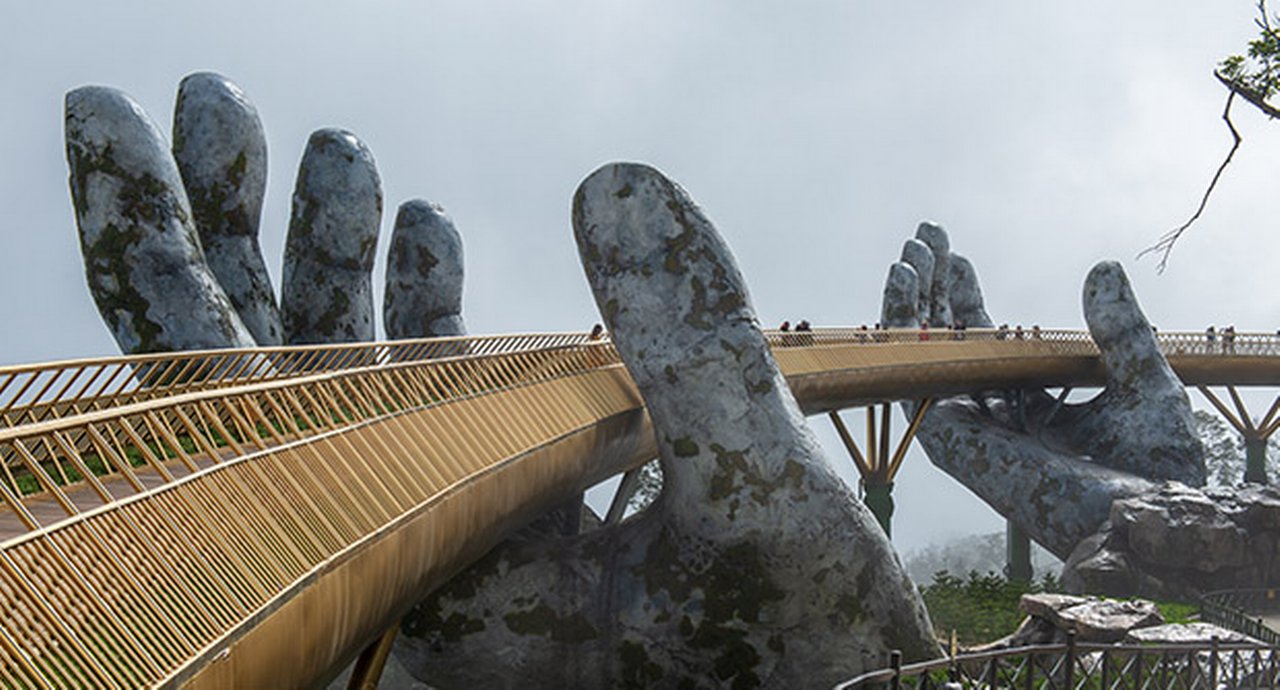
(1053, 469)
(170, 238)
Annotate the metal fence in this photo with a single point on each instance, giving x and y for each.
(1242, 610)
(1073, 666)
(31, 393)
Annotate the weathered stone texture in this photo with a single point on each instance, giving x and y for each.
(143, 258)
(967, 305)
(1176, 540)
(939, 245)
(327, 294)
(899, 305)
(756, 567)
(918, 255)
(423, 295)
(1142, 422)
(1053, 469)
(221, 151)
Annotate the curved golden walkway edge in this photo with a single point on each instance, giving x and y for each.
(301, 516)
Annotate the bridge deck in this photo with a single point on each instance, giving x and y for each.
(342, 492)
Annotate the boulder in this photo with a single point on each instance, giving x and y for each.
(1177, 541)
(1107, 620)
(1046, 605)
(1180, 527)
(1196, 633)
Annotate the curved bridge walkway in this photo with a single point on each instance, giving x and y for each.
(256, 518)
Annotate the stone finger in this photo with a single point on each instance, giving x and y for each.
(143, 259)
(221, 152)
(327, 289)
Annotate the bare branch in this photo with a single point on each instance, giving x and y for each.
(1254, 88)
(1165, 245)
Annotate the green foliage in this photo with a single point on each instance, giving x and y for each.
(979, 608)
(1224, 455)
(984, 607)
(1178, 611)
(1258, 70)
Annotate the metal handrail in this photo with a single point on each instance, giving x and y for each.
(36, 392)
(53, 450)
(243, 495)
(150, 442)
(1070, 665)
(220, 503)
(1232, 608)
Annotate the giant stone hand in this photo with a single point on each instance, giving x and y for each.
(756, 567)
(170, 238)
(1053, 469)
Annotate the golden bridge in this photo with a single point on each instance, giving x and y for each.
(257, 518)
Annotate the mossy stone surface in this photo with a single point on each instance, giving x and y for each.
(327, 290)
(221, 152)
(143, 259)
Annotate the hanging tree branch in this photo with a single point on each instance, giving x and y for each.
(1165, 245)
(1255, 86)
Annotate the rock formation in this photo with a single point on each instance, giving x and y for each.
(423, 295)
(756, 567)
(1178, 541)
(1050, 617)
(327, 293)
(143, 259)
(221, 151)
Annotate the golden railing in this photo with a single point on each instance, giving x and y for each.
(131, 575)
(147, 530)
(36, 392)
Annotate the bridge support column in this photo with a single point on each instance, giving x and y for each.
(373, 659)
(879, 498)
(1255, 459)
(877, 467)
(1017, 551)
(1255, 434)
(626, 489)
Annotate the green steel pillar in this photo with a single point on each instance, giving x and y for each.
(879, 498)
(1255, 454)
(1017, 553)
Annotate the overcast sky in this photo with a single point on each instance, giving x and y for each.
(1044, 136)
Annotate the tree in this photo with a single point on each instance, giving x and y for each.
(1254, 77)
